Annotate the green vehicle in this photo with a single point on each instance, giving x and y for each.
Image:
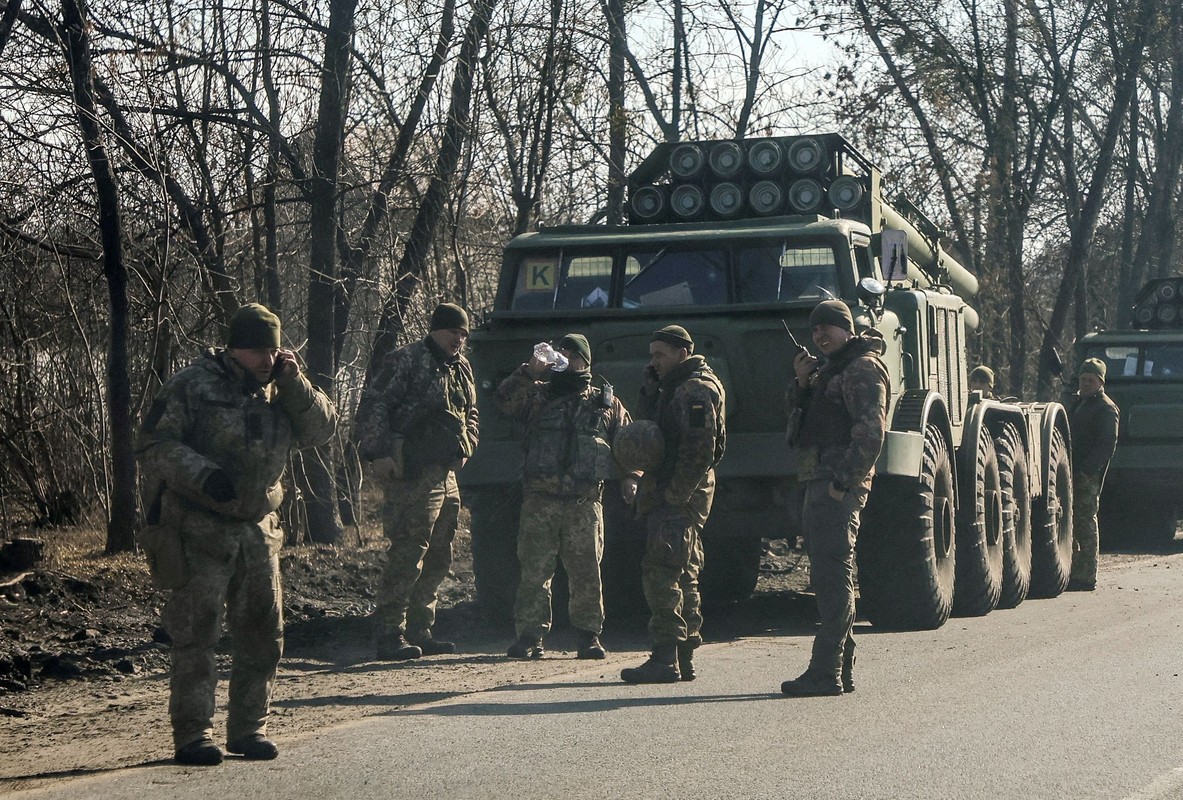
(738, 241)
(1144, 376)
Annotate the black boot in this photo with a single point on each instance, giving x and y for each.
(848, 660)
(590, 647)
(528, 647)
(431, 646)
(200, 753)
(395, 647)
(661, 667)
(256, 747)
(686, 657)
(814, 682)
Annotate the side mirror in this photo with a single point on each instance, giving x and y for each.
(1053, 364)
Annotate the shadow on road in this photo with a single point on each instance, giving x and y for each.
(577, 706)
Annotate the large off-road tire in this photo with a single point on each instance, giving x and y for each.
(1051, 525)
(496, 513)
(906, 549)
(1016, 516)
(731, 569)
(979, 534)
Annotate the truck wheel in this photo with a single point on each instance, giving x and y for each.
(1051, 526)
(495, 516)
(906, 550)
(730, 570)
(1016, 506)
(979, 534)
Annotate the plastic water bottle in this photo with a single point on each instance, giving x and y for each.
(544, 352)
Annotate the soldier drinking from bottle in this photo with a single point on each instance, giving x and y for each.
(570, 425)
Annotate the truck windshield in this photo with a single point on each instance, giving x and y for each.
(662, 274)
(1152, 360)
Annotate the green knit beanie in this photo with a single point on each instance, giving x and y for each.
(578, 343)
(449, 316)
(253, 327)
(675, 336)
(832, 312)
(1093, 366)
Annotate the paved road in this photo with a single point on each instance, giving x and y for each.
(1078, 697)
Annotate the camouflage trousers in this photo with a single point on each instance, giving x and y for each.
(831, 528)
(419, 518)
(233, 576)
(1086, 499)
(672, 562)
(571, 528)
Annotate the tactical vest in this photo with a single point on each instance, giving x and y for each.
(827, 421)
(567, 444)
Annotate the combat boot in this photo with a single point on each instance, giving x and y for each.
(255, 747)
(686, 657)
(199, 753)
(814, 682)
(848, 660)
(431, 646)
(661, 667)
(526, 647)
(590, 647)
(395, 647)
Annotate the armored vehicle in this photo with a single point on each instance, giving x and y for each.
(1144, 376)
(738, 241)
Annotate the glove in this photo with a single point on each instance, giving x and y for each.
(218, 487)
(385, 470)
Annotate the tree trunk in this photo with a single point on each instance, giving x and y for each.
(121, 517)
(317, 473)
(617, 122)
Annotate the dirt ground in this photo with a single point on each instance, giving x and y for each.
(83, 665)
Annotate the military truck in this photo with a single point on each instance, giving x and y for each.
(1144, 376)
(738, 241)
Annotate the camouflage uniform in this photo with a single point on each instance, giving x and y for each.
(568, 456)
(1094, 422)
(676, 497)
(840, 436)
(210, 416)
(421, 408)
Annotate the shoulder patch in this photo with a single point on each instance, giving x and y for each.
(698, 414)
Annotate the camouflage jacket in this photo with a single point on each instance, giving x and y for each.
(1093, 421)
(207, 417)
(690, 408)
(845, 415)
(568, 443)
(417, 386)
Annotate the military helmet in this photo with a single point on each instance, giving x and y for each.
(639, 445)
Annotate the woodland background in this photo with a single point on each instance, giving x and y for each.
(351, 163)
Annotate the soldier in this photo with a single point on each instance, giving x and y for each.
(686, 399)
(844, 399)
(981, 379)
(416, 425)
(1093, 420)
(570, 425)
(213, 448)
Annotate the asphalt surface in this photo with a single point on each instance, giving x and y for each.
(1077, 697)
